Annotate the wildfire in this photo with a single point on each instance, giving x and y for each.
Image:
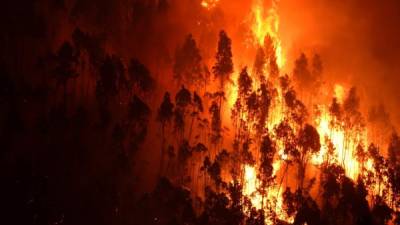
(339, 142)
(274, 195)
(209, 4)
(266, 24)
(250, 186)
(344, 145)
(339, 92)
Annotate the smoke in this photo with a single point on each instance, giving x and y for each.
(358, 42)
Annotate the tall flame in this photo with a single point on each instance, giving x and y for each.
(344, 143)
(267, 24)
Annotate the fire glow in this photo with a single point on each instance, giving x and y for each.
(333, 137)
(266, 24)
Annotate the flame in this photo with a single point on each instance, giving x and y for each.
(344, 140)
(339, 92)
(250, 186)
(344, 143)
(274, 195)
(267, 24)
(209, 4)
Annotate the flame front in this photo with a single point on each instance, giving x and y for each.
(266, 24)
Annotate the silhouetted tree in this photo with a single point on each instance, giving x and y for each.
(336, 110)
(188, 68)
(107, 84)
(264, 100)
(260, 64)
(223, 67)
(285, 133)
(91, 44)
(244, 83)
(140, 78)
(67, 59)
(197, 108)
(183, 100)
(138, 118)
(267, 153)
(316, 73)
(302, 73)
(308, 212)
(184, 153)
(219, 210)
(310, 144)
(166, 110)
(381, 212)
(394, 169)
(297, 110)
(216, 126)
(167, 204)
(380, 166)
(352, 114)
(270, 52)
(165, 116)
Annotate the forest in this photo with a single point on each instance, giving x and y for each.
(171, 112)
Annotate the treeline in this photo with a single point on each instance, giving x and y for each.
(71, 139)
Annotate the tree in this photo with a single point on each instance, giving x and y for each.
(336, 110)
(138, 110)
(224, 65)
(216, 123)
(394, 169)
(92, 45)
(270, 53)
(310, 144)
(185, 151)
(183, 100)
(264, 99)
(107, 86)
(244, 83)
(188, 68)
(259, 64)
(165, 115)
(302, 73)
(67, 59)
(317, 67)
(122, 81)
(140, 78)
(297, 110)
(351, 108)
(316, 73)
(219, 210)
(381, 212)
(380, 165)
(267, 150)
(308, 212)
(138, 118)
(240, 109)
(107, 83)
(165, 112)
(197, 108)
(285, 133)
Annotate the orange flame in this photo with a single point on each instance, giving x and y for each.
(267, 24)
(209, 4)
(344, 144)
